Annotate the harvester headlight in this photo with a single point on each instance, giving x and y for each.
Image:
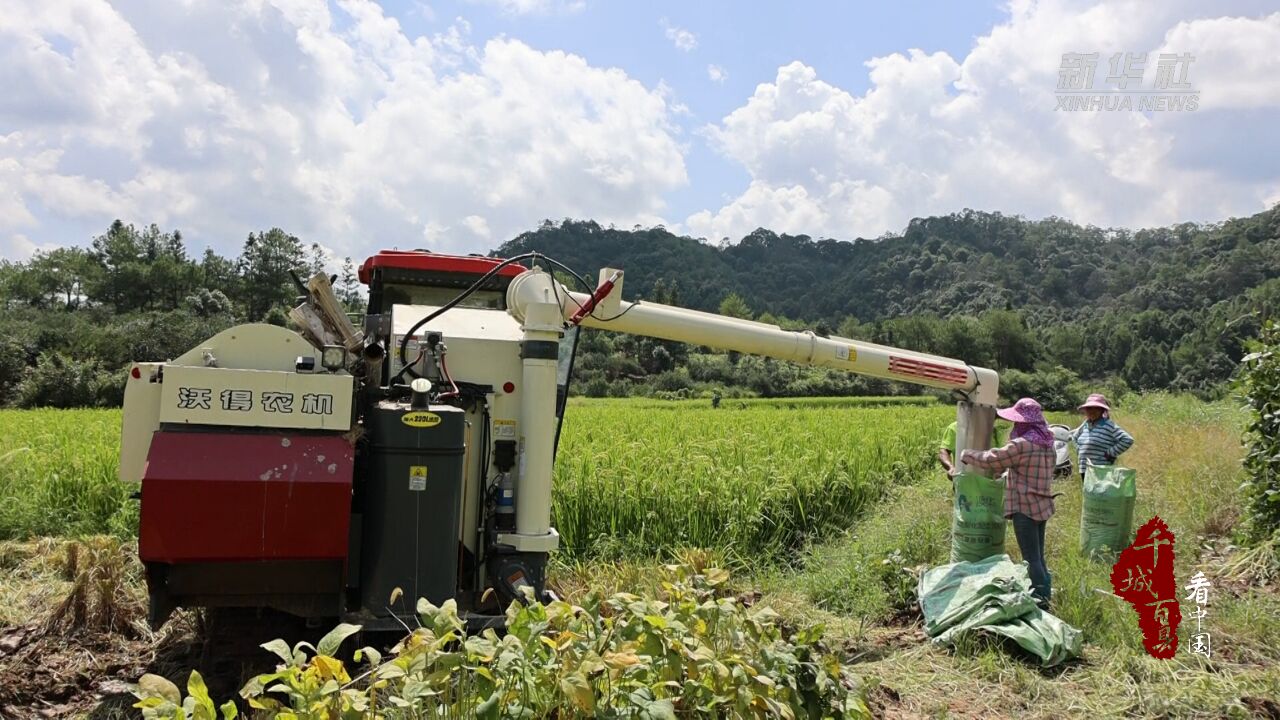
(333, 357)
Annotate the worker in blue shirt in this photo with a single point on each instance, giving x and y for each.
(1099, 439)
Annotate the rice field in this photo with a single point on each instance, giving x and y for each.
(58, 474)
(757, 480)
(634, 478)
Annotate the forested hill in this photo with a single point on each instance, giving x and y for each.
(1056, 307)
(964, 263)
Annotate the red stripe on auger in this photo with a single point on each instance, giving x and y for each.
(911, 367)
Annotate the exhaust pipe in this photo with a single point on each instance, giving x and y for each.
(373, 354)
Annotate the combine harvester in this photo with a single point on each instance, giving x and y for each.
(315, 473)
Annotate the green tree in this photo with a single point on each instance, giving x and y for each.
(316, 260)
(13, 363)
(1011, 342)
(348, 289)
(142, 269)
(264, 266)
(734, 306)
(17, 285)
(171, 274)
(123, 281)
(1148, 367)
(219, 273)
(1065, 346)
(64, 273)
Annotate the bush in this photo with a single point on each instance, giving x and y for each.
(1055, 389)
(155, 336)
(13, 365)
(694, 650)
(674, 381)
(1261, 385)
(62, 382)
(711, 367)
(209, 303)
(595, 387)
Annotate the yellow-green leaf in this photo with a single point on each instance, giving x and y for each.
(330, 643)
(155, 686)
(576, 688)
(622, 660)
(197, 689)
(280, 648)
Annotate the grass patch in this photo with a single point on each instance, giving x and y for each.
(871, 572)
(1188, 459)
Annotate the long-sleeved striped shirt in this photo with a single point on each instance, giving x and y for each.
(1029, 489)
(1100, 442)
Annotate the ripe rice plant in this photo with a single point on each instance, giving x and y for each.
(633, 479)
(58, 474)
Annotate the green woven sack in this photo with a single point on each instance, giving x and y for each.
(1106, 520)
(977, 518)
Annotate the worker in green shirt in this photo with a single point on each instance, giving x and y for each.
(947, 445)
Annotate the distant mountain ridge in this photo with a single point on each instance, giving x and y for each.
(964, 263)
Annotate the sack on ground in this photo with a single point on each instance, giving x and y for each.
(977, 518)
(993, 596)
(1106, 520)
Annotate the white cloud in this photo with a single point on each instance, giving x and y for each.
(477, 225)
(535, 7)
(20, 247)
(329, 120)
(681, 38)
(1234, 54)
(223, 118)
(424, 11)
(934, 134)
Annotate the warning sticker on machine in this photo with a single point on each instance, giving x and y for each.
(417, 477)
(504, 429)
(846, 352)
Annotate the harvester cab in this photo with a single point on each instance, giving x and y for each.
(346, 472)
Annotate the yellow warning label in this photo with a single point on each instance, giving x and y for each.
(420, 419)
(504, 429)
(417, 477)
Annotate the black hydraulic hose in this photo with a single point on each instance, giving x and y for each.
(564, 401)
(404, 341)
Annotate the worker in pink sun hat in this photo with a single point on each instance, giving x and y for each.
(1099, 439)
(1029, 457)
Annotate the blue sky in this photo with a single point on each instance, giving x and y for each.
(748, 41)
(457, 125)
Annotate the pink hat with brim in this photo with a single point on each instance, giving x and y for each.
(1096, 400)
(1025, 410)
